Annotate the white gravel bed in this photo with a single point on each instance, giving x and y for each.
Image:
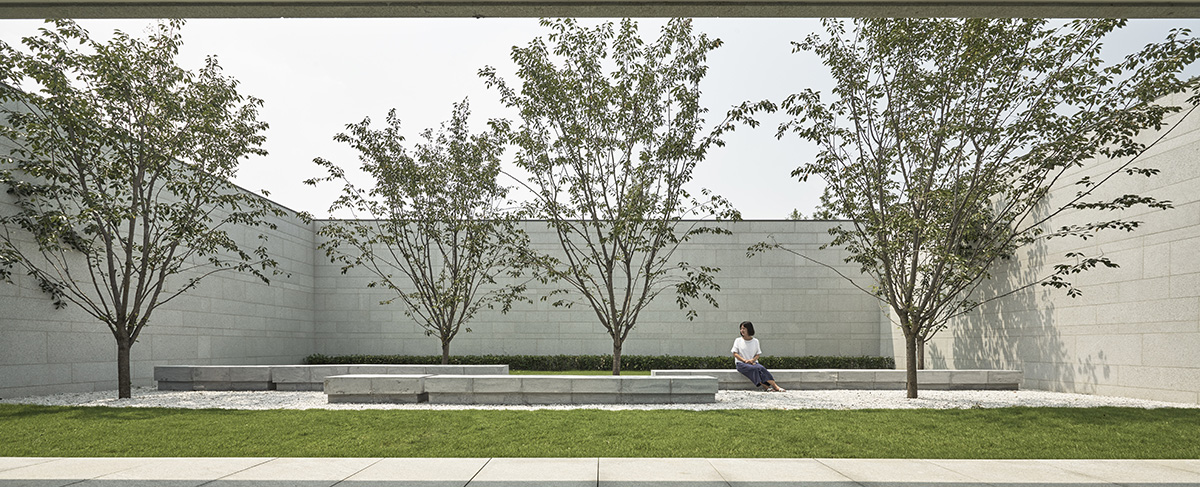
(856, 399)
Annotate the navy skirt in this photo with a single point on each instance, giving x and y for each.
(756, 372)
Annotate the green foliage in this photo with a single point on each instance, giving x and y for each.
(1048, 433)
(119, 166)
(943, 138)
(439, 234)
(604, 362)
(611, 129)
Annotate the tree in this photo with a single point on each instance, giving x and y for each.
(119, 168)
(440, 235)
(608, 155)
(945, 137)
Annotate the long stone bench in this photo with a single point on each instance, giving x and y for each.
(290, 377)
(819, 379)
(376, 388)
(520, 389)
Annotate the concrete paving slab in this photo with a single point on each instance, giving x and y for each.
(1023, 471)
(747, 472)
(610, 472)
(270, 483)
(1189, 465)
(182, 468)
(426, 472)
(74, 468)
(659, 472)
(8, 463)
(316, 470)
(895, 472)
(557, 472)
(141, 483)
(1133, 472)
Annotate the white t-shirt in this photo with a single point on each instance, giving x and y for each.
(746, 348)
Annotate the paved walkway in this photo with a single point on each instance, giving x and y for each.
(571, 472)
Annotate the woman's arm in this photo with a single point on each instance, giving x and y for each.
(739, 357)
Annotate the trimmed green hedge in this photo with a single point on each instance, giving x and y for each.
(604, 362)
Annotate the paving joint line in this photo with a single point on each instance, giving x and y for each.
(102, 475)
(268, 460)
(839, 472)
(46, 460)
(1172, 467)
(340, 482)
(719, 474)
(974, 479)
(481, 467)
(1081, 472)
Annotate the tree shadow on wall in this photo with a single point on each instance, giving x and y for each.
(1015, 331)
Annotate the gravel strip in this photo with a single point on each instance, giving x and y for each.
(148, 397)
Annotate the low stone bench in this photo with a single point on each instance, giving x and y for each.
(290, 377)
(522, 389)
(312, 377)
(878, 379)
(376, 388)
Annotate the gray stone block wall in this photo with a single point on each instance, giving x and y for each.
(230, 318)
(798, 307)
(1135, 331)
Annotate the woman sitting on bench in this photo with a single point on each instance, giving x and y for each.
(747, 346)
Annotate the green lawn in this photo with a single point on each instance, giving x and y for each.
(971, 433)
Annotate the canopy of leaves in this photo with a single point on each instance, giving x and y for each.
(436, 227)
(611, 131)
(118, 161)
(944, 137)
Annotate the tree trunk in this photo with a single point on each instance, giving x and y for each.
(920, 353)
(616, 357)
(124, 381)
(445, 353)
(910, 363)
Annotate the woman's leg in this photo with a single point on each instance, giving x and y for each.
(748, 371)
(768, 379)
(758, 375)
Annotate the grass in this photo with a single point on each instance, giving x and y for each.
(970, 433)
(576, 372)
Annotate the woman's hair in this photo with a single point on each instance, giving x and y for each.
(749, 327)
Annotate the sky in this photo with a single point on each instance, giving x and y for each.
(317, 75)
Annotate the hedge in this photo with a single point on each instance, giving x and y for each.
(604, 362)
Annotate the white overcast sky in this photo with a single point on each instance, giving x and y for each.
(317, 75)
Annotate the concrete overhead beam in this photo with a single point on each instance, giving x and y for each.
(594, 8)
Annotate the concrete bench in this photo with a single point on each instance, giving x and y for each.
(818, 379)
(522, 389)
(376, 388)
(290, 377)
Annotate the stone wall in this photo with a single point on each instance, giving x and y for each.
(230, 318)
(799, 308)
(1135, 331)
